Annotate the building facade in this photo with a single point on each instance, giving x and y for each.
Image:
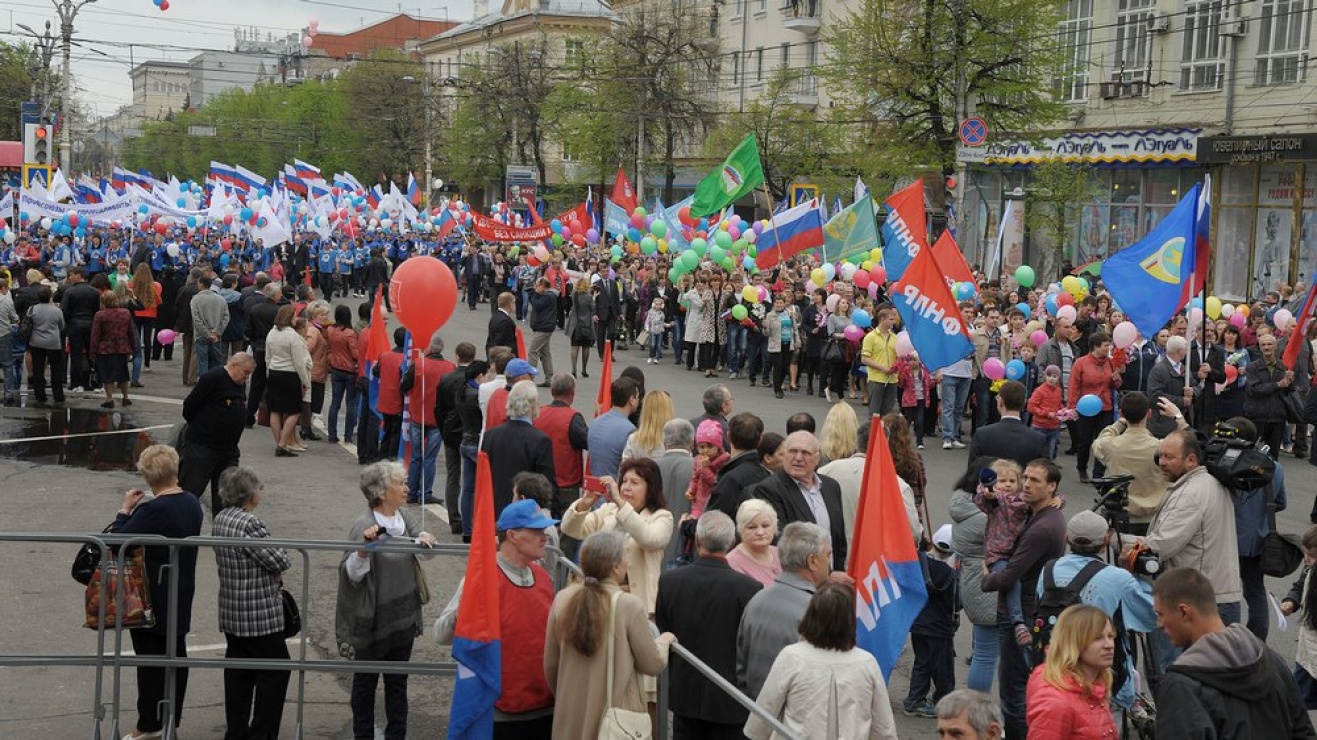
(159, 88)
(1161, 94)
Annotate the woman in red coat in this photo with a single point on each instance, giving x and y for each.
(1069, 695)
(113, 343)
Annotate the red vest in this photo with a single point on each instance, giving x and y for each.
(425, 388)
(522, 646)
(391, 383)
(555, 421)
(496, 412)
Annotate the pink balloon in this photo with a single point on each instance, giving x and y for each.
(166, 336)
(994, 369)
(903, 345)
(873, 291)
(1238, 320)
(831, 302)
(1124, 334)
(1283, 319)
(855, 333)
(763, 293)
(1039, 338)
(1066, 312)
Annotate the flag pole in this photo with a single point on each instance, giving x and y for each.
(772, 222)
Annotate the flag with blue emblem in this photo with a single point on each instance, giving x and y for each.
(889, 582)
(1152, 279)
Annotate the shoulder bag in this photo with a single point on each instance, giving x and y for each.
(1281, 556)
(292, 615)
(26, 327)
(88, 560)
(620, 724)
(137, 611)
(833, 352)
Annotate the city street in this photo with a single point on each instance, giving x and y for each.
(74, 485)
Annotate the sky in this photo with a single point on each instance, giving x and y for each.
(116, 34)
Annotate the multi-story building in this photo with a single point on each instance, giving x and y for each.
(212, 72)
(159, 88)
(759, 37)
(1161, 94)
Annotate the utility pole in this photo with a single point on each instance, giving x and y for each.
(68, 10)
(44, 49)
(426, 91)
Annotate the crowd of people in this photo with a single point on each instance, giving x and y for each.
(732, 538)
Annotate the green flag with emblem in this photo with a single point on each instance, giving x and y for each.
(740, 174)
(852, 231)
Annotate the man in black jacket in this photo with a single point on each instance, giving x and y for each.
(1227, 683)
(79, 302)
(543, 320)
(215, 411)
(502, 327)
(743, 470)
(262, 307)
(1009, 438)
(800, 494)
(701, 604)
(450, 431)
(183, 324)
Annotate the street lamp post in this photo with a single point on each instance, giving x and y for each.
(68, 10)
(44, 50)
(429, 135)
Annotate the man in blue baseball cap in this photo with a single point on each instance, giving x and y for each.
(525, 596)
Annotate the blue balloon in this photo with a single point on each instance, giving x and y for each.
(1024, 308)
(22, 216)
(1089, 405)
(1015, 369)
(142, 209)
(192, 222)
(556, 225)
(1196, 303)
(81, 232)
(182, 203)
(861, 318)
(633, 234)
(1050, 304)
(748, 263)
(246, 214)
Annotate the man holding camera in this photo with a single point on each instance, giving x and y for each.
(1194, 528)
(1114, 590)
(1128, 448)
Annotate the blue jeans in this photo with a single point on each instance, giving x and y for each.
(954, 393)
(1053, 441)
(934, 668)
(735, 347)
(13, 368)
(467, 502)
(1013, 608)
(656, 346)
(209, 355)
(343, 384)
(983, 662)
(678, 333)
(425, 454)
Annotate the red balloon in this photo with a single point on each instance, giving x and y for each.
(228, 219)
(1232, 373)
(73, 220)
(164, 4)
(1065, 299)
(161, 228)
(226, 245)
(878, 274)
(861, 279)
(423, 292)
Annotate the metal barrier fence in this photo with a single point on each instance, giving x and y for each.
(115, 661)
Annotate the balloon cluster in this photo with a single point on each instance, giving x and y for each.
(312, 29)
(1237, 315)
(162, 4)
(726, 243)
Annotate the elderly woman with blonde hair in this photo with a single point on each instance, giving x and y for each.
(380, 594)
(837, 440)
(756, 556)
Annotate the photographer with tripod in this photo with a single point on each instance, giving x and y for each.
(1083, 577)
(1194, 528)
(1127, 447)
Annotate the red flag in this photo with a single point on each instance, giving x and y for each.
(521, 344)
(377, 339)
(1300, 330)
(949, 258)
(623, 194)
(307, 275)
(578, 218)
(604, 402)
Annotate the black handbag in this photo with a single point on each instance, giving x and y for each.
(1281, 555)
(292, 615)
(833, 352)
(26, 326)
(1293, 405)
(87, 561)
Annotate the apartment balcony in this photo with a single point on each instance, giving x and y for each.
(803, 91)
(804, 16)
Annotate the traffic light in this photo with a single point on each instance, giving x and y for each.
(38, 138)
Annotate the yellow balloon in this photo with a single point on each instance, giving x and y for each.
(663, 246)
(1244, 309)
(723, 225)
(1213, 306)
(817, 277)
(1071, 284)
(750, 293)
(876, 255)
(866, 265)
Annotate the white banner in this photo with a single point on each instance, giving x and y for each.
(7, 206)
(156, 203)
(113, 209)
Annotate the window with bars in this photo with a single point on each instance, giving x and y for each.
(736, 68)
(1076, 36)
(1134, 20)
(1282, 41)
(759, 64)
(786, 55)
(1202, 60)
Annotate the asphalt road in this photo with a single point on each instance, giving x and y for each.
(69, 485)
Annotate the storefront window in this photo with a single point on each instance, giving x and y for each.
(1237, 184)
(1163, 187)
(1274, 227)
(1234, 237)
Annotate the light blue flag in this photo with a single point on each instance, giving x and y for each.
(616, 221)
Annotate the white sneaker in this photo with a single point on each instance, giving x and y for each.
(77, 389)
(946, 445)
(958, 444)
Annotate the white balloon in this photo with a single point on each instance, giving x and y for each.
(46, 223)
(10, 238)
(172, 249)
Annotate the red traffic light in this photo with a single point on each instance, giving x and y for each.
(951, 183)
(40, 132)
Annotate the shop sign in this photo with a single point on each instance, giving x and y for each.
(1100, 147)
(1250, 149)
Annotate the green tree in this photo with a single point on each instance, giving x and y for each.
(1053, 197)
(794, 145)
(906, 71)
(383, 116)
(15, 87)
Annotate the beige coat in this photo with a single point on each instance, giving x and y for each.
(648, 533)
(578, 681)
(1195, 528)
(1127, 450)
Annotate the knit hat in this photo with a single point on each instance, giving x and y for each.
(1052, 370)
(710, 432)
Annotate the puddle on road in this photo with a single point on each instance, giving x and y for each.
(96, 452)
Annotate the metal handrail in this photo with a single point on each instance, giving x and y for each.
(727, 687)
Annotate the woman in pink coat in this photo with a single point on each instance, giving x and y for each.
(1069, 695)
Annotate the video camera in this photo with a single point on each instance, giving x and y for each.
(1113, 504)
(1240, 465)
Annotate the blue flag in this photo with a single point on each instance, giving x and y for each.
(616, 220)
(1149, 278)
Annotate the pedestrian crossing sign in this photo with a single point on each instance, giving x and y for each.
(36, 174)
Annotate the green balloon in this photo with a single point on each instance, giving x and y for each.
(557, 240)
(658, 229)
(752, 251)
(649, 245)
(674, 275)
(739, 312)
(698, 246)
(728, 264)
(739, 246)
(616, 251)
(513, 251)
(1024, 276)
(717, 254)
(640, 211)
(690, 259)
(723, 239)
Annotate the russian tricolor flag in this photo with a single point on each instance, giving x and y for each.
(374, 196)
(791, 232)
(889, 581)
(413, 190)
(306, 171)
(478, 633)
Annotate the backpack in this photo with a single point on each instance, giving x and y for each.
(1056, 599)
